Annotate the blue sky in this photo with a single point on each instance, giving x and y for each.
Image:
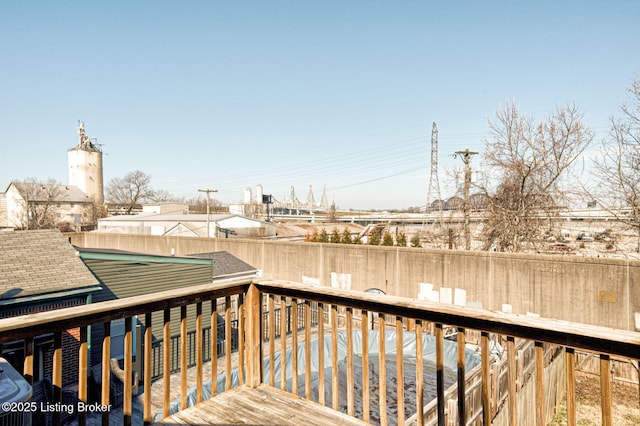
(232, 94)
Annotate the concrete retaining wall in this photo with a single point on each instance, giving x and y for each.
(595, 291)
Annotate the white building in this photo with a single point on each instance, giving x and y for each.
(32, 205)
(188, 225)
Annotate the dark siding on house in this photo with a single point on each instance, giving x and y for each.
(122, 278)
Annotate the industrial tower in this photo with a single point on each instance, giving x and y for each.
(434, 182)
(85, 166)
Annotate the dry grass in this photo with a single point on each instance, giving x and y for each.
(625, 398)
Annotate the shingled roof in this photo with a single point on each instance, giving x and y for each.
(39, 262)
(226, 264)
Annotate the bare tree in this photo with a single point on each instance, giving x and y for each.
(527, 161)
(92, 213)
(199, 205)
(40, 203)
(132, 189)
(618, 165)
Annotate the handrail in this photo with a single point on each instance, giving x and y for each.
(579, 336)
(78, 316)
(254, 338)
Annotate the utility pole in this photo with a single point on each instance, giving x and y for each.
(466, 157)
(208, 191)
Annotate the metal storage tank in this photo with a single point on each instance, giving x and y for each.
(247, 195)
(259, 193)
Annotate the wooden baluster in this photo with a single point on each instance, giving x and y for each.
(241, 339)
(419, 373)
(366, 391)
(513, 401)
(106, 371)
(439, 334)
(486, 384)
(57, 374)
(334, 357)
(400, 369)
(294, 346)
(214, 347)
(307, 349)
(199, 348)
(272, 338)
(321, 397)
(228, 337)
(166, 363)
(540, 399)
(127, 408)
(28, 360)
(148, 350)
(462, 416)
(570, 360)
(382, 366)
(83, 370)
(253, 336)
(183, 357)
(350, 372)
(605, 389)
(283, 343)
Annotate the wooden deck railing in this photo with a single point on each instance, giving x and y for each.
(341, 314)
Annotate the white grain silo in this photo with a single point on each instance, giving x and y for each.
(247, 195)
(85, 167)
(259, 194)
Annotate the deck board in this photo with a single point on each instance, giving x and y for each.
(263, 405)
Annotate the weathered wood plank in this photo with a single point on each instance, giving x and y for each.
(350, 370)
(148, 349)
(366, 392)
(439, 334)
(214, 347)
(321, 397)
(571, 386)
(252, 331)
(400, 370)
(334, 356)
(83, 370)
(419, 373)
(272, 338)
(199, 348)
(227, 341)
(183, 357)
(462, 383)
(307, 349)
(605, 389)
(127, 409)
(106, 371)
(540, 398)
(382, 366)
(294, 346)
(513, 402)
(283, 343)
(486, 384)
(263, 405)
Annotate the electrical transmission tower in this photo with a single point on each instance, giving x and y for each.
(434, 182)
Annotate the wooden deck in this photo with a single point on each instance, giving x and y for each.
(263, 405)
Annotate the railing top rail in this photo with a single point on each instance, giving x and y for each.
(575, 335)
(62, 319)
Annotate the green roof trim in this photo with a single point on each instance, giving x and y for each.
(144, 258)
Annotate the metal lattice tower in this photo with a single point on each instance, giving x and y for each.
(324, 203)
(434, 181)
